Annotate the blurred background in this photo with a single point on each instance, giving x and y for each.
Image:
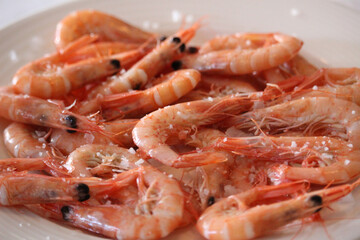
(14, 10)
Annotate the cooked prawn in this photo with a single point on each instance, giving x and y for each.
(245, 216)
(97, 159)
(24, 141)
(323, 159)
(24, 188)
(51, 77)
(152, 131)
(87, 22)
(158, 212)
(32, 110)
(138, 103)
(120, 130)
(313, 116)
(237, 62)
(331, 82)
(149, 66)
(54, 77)
(238, 41)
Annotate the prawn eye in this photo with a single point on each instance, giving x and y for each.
(116, 63)
(162, 38)
(70, 121)
(182, 47)
(316, 200)
(176, 65)
(193, 50)
(176, 40)
(83, 192)
(211, 201)
(66, 211)
(137, 86)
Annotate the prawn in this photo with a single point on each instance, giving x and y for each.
(297, 66)
(158, 212)
(331, 82)
(53, 77)
(245, 216)
(106, 27)
(208, 180)
(331, 117)
(150, 65)
(323, 159)
(138, 103)
(152, 131)
(98, 159)
(238, 41)
(212, 86)
(24, 188)
(24, 141)
(237, 62)
(120, 130)
(32, 110)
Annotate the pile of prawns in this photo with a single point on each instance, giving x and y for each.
(131, 136)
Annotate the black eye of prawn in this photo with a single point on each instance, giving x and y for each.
(66, 212)
(176, 65)
(316, 200)
(176, 40)
(193, 50)
(162, 38)
(70, 121)
(182, 47)
(116, 63)
(211, 201)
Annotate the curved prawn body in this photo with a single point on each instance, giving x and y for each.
(323, 159)
(237, 62)
(52, 77)
(97, 159)
(138, 103)
(152, 131)
(297, 66)
(120, 131)
(150, 65)
(158, 212)
(24, 188)
(245, 216)
(238, 41)
(313, 115)
(106, 27)
(332, 82)
(32, 110)
(22, 142)
(331, 117)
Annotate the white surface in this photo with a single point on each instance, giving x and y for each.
(331, 34)
(14, 10)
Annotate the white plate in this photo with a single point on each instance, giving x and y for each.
(331, 33)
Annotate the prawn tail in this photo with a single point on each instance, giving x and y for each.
(199, 159)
